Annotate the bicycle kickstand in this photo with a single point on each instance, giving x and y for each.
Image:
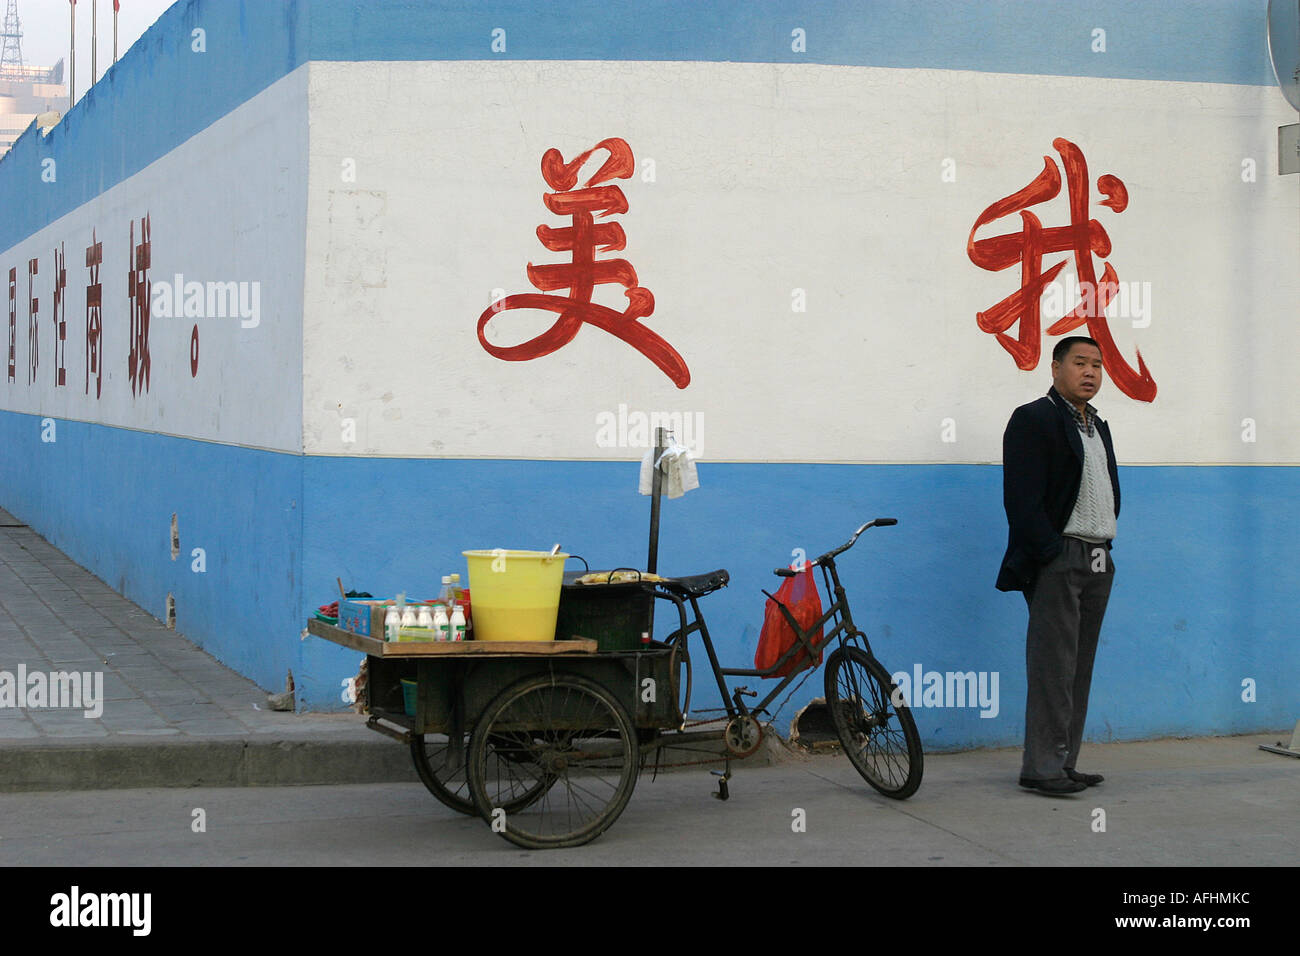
(723, 776)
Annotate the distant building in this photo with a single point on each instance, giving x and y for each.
(25, 93)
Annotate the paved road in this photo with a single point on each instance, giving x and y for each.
(1215, 802)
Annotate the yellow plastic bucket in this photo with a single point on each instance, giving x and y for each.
(516, 593)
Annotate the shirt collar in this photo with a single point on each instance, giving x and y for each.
(1086, 420)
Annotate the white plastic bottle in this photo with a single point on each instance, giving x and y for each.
(445, 595)
(441, 624)
(392, 621)
(424, 617)
(457, 624)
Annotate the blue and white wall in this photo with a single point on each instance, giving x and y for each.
(806, 180)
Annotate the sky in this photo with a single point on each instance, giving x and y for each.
(45, 26)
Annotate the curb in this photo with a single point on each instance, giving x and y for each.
(262, 761)
(212, 762)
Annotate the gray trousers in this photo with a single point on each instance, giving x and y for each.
(1066, 604)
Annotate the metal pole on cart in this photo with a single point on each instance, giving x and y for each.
(656, 489)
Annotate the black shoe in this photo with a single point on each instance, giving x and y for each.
(1058, 787)
(1087, 779)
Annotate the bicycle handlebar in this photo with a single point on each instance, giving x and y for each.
(877, 523)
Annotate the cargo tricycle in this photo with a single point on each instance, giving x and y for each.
(544, 740)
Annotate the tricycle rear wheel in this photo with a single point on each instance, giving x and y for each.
(433, 758)
(568, 741)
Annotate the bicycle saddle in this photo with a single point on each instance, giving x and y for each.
(698, 585)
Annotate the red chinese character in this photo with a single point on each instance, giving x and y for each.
(60, 310)
(94, 315)
(33, 308)
(139, 289)
(1084, 237)
(584, 238)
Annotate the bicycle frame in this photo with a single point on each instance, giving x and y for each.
(844, 631)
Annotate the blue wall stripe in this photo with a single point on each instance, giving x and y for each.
(1219, 41)
(1206, 560)
(161, 93)
(105, 497)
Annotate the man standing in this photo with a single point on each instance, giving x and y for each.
(1060, 488)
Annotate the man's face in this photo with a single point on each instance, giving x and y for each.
(1078, 376)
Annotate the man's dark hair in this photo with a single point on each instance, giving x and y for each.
(1070, 341)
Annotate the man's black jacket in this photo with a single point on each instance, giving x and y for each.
(1042, 466)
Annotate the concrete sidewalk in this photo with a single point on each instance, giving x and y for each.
(174, 717)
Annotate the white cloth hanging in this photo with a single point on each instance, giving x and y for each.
(678, 465)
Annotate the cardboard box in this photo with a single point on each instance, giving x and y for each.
(365, 617)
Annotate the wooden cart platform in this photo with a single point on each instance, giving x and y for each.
(378, 648)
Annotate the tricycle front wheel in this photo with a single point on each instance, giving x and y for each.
(873, 723)
(564, 739)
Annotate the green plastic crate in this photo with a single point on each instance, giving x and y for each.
(613, 615)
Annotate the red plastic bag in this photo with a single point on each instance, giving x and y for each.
(799, 595)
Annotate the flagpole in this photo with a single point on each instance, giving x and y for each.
(72, 56)
(115, 2)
